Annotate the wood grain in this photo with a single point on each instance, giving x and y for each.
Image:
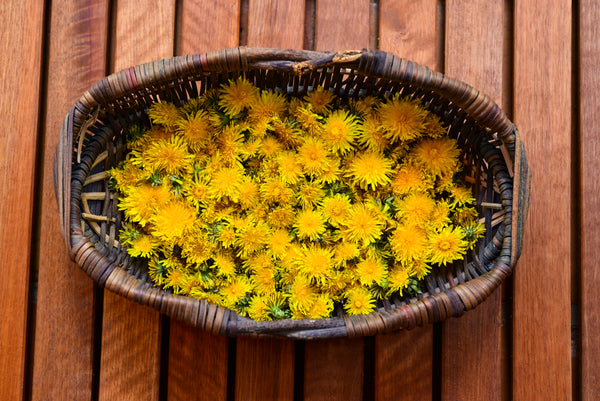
(542, 111)
(264, 370)
(130, 332)
(409, 29)
(333, 21)
(404, 360)
(589, 123)
(333, 369)
(474, 55)
(273, 23)
(64, 328)
(403, 365)
(20, 61)
(198, 359)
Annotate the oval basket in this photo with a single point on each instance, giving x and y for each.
(92, 141)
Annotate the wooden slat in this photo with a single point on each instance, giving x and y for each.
(198, 359)
(404, 360)
(64, 325)
(273, 23)
(333, 369)
(589, 122)
(474, 55)
(542, 111)
(264, 370)
(131, 333)
(403, 368)
(332, 24)
(20, 61)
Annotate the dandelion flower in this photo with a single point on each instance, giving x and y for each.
(248, 191)
(165, 114)
(309, 120)
(310, 224)
(407, 179)
(340, 130)
(359, 302)
(441, 215)
(399, 278)
(345, 251)
(195, 129)
(302, 294)
(238, 95)
(309, 194)
(142, 246)
(439, 156)
(224, 263)
(157, 271)
(402, 119)
(473, 232)
(258, 310)
(321, 307)
(197, 248)
(234, 291)
(371, 271)
(276, 191)
(316, 263)
(278, 243)
(281, 217)
(263, 280)
(335, 208)
(362, 225)
(252, 239)
(372, 135)
(408, 243)
(277, 305)
(173, 220)
(141, 202)
(176, 280)
(370, 170)
(170, 156)
(290, 170)
(320, 100)
(447, 245)
(225, 182)
(461, 196)
(270, 146)
(433, 126)
(197, 193)
(269, 104)
(416, 209)
(313, 156)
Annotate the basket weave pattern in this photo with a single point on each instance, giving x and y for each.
(91, 142)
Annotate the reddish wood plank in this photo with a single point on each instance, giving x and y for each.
(197, 364)
(542, 109)
(131, 333)
(474, 55)
(273, 23)
(333, 369)
(20, 61)
(333, 21)
(209, 25)
(264, 370)
(409, 29)
(64, 325)
(404, 360)
(198, 359)
(403, 367)
(589, 121)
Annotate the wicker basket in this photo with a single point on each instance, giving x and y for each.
(91, 142)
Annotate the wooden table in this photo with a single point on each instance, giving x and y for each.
(62, 338)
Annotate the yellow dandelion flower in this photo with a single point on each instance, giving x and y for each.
(340, 130)
(197, 193)
(277, 304)
(287, 132)
(281, 217)
(141, 202)
(238, 95)
(441, 215)
(309, 224)
(143, 246)
(402, 119)
(195, 129)
(225, 182)
(363, 106)
(473, 232)
(309, 194)
(226, 236)
(316, 263)
(157, 271)
(433, 126)
(258, 310)
(321, 307)
(370, 170)
(248, 191)
(320, 100)
(197, 248)
(230, 145)
(419, 268)
(373, 135)
(260, 128)
(155, 133)
(464, 216)
(416, 209)
(276, 191)
(127, 178)
(408, 243)
(371, 271)
(359, 302)
(345, 251)
(165, 114)
(263, 280)
(278, 243)
(461, 196)
(438, 156)
(290, 171)
(362, 224)
(224, 263)
(309, 120)
(269, 104)
(399, 278)
(335, 208)
(170, 156)
(252, 239)
(235, 290)
(176, 279)
(407, 179)
(330, 173)
(270, 146)
(173, 220)
(302, 294)
(447, 245)
(312, 155)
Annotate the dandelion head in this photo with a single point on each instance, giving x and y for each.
(340, 130)
(359, 301)
(362, 225)
(447, 245)
(335, 208)
(370, 170)
(309, 224)
(165, 114)
(173, 220)
(237, 95)
(408, 242)
(438, 156)
(402, 119)
(320, 100)
(371, 271)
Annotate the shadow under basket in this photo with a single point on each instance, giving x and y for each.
(92, 142)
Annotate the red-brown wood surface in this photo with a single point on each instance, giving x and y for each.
(589, 148)
(273, 23)
(131, 337)
(65, 306)
(332, 22)
(474, 340)
(20, 39)
(198, 359)
(542, 282)
(408, 29)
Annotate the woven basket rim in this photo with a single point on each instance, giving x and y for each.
(138, 80)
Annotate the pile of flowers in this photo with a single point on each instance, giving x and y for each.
(290, 207)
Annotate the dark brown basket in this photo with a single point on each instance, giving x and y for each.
(92, 141)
